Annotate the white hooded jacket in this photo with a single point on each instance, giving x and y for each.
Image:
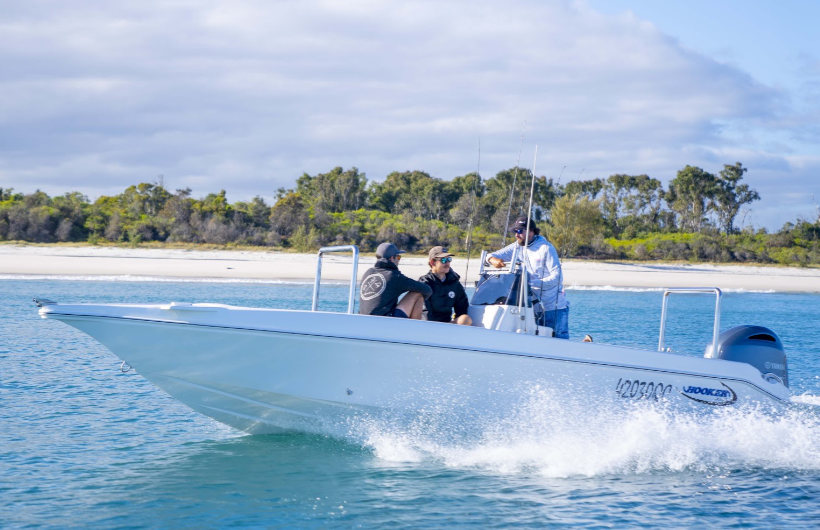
(543, 269)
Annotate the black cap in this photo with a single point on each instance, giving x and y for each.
(388, 250)
(521, 224)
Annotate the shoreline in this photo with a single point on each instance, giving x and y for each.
(86, 262)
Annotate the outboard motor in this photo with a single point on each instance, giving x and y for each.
(757, 346)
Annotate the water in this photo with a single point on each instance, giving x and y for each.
(83, 444)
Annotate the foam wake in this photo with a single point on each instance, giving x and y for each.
(807, 399)
(556, 438)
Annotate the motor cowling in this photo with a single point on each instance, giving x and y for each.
(755, 345)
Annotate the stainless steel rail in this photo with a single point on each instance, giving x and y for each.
(482, 263)
(351, 302)
(692, 290)
(485, 266)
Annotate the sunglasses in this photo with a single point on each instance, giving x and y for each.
(397, 257)
(519, 230)
(445, 260)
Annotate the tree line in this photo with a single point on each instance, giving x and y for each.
(623, 216)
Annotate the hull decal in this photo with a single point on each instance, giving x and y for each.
(719, 398)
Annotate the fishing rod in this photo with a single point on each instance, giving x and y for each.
(469, 242)
(512, 188)
(524, 281)
(532, 192)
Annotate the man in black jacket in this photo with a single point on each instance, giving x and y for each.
(448, 293)
(382, 285)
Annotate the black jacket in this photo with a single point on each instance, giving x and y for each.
(448, 294)
(381, 287)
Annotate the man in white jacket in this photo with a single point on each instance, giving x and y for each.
(544, 271)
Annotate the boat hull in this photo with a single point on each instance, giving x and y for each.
(262, 371)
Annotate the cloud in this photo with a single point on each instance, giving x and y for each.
(247, 95)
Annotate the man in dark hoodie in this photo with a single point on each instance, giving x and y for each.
(448, 293)
(382, 285)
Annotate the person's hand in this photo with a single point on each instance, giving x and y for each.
(497, 262)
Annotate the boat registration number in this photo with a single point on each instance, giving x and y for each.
(637, 389)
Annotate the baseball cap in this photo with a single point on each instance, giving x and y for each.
(521, 224)
(438, 252)
(387, 250)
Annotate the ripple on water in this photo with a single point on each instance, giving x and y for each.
(81, 443)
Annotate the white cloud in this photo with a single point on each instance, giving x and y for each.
(247, 95)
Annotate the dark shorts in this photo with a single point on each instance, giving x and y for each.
(398, 313)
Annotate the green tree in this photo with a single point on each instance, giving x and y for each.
(591, 188)
(72, 211)
(7, 194)
(515, 183)
(690, 192)
(288, 214)
(99, 216)
(632, 204)
(335, 191)
(415, 193)
(255, 213)
(467, 208)
(731, 195)
(466, 185)
(28, 217)
(575, 221)
(215, 205)
(143, 199)
(136, 218)
(177, 214)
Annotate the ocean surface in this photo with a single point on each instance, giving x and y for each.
(84, 444)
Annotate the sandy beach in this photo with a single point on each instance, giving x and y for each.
(24, 261)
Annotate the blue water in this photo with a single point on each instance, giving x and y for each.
(84, 444)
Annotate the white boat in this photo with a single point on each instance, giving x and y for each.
(265, 370)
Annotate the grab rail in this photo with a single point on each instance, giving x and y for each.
(340, 248)
(524, 315)
(510, 267)
(482, 263)
(716, 327)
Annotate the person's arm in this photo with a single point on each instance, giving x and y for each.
(426, 281)
(496, 262)
(408, 284)
(499, 258)
(462, 303)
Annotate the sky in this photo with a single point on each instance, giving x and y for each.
(248, 95)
